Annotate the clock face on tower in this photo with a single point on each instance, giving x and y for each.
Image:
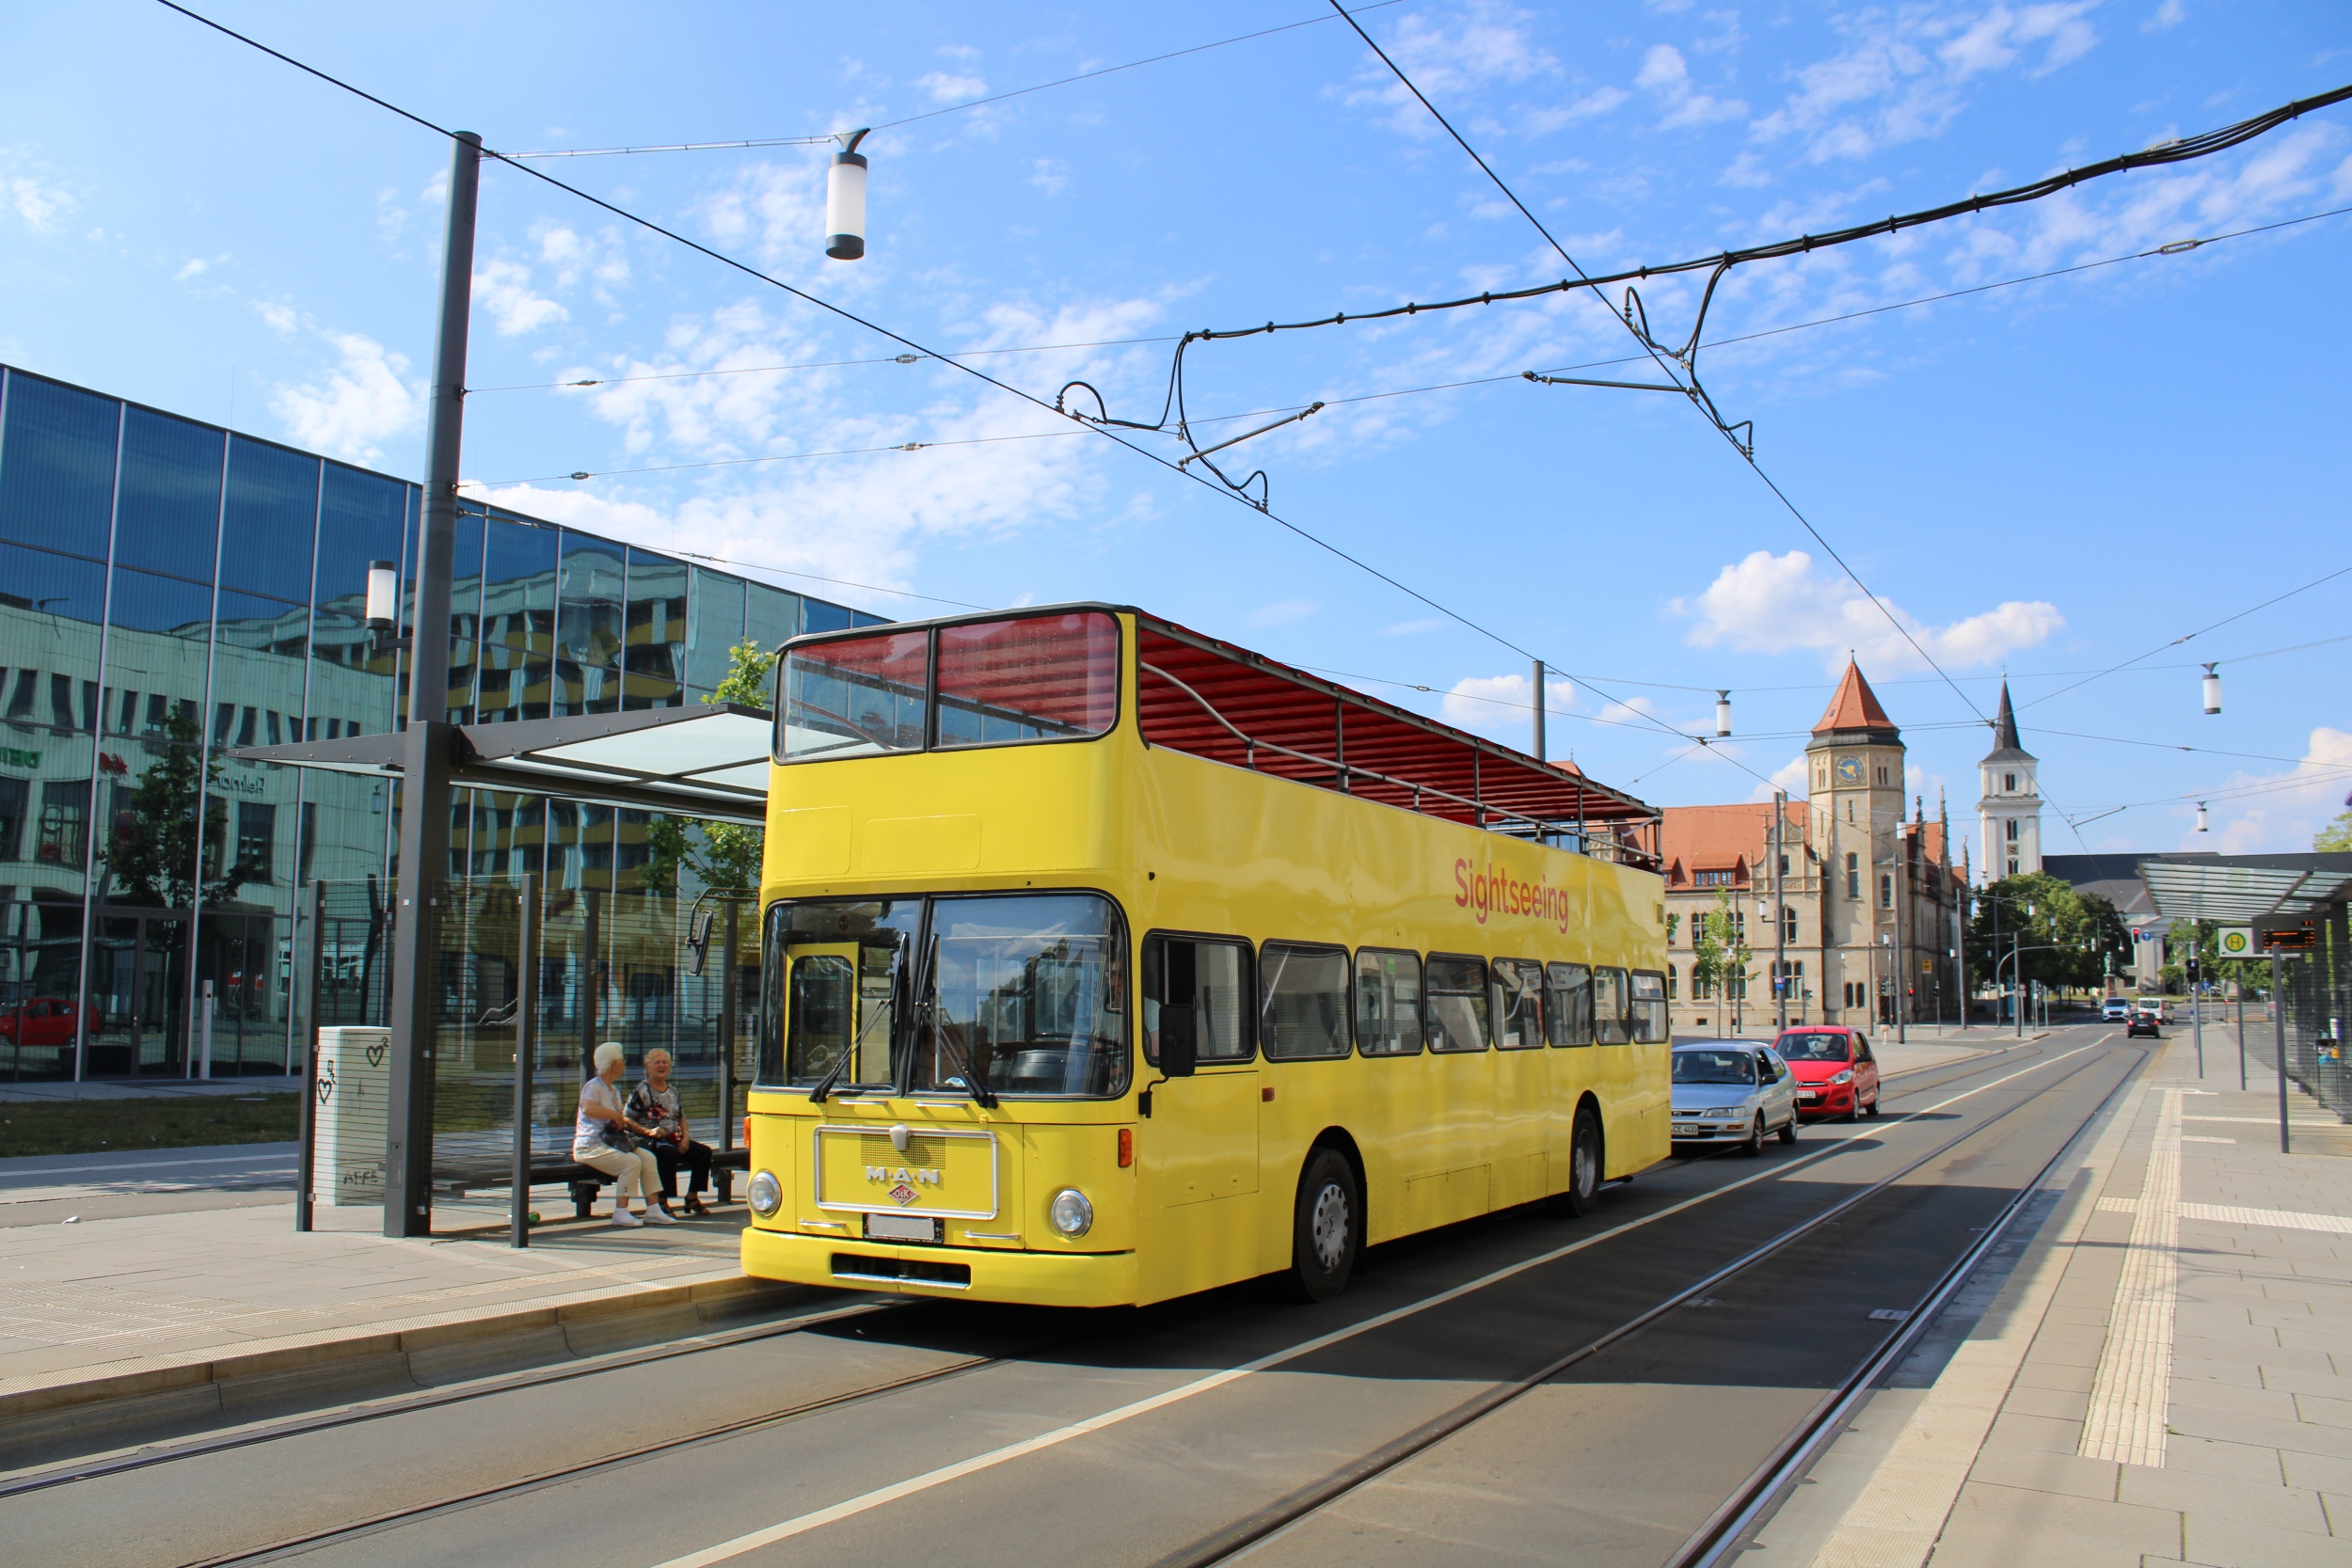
(1848, 771)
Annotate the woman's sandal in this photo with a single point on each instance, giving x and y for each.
(695, 1205)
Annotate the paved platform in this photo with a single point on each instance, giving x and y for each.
(2166, 1376)
(108, 1307)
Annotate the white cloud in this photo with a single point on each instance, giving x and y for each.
(1665, 77)
(1282, 613)
(2171, 14)
(944, 88)
(599, 259)
(1491, 44)
(1503, 705)
(351, 408)
(1773, 604)
(34, 192)
(779, 209)
(278, 318)
(503, 290)
(195, 267)
(2276, 814)
(1050, 175)
(1903, 77)
(1792, 776)
(1408, 628)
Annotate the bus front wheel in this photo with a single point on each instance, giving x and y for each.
(1328, 1227)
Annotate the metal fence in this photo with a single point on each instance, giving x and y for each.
(608, 967)
(2316, 989)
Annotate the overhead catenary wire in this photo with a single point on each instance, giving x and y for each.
(947, 109)
(830, 307)
(773, 457)
(2186, 637)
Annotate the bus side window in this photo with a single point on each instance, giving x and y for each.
(1457, 1003)
(1518, 1004)
(1612, 1022)
(1213, 975)
(1387, 1002)
(1570, 1011)
(1303, 1004)
(1650, 1007)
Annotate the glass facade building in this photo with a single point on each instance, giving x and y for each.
(171, 592)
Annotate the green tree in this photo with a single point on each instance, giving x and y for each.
(2337, 835)
(152, 855)
(1719, 952)
(2069, 940)
(722, 854)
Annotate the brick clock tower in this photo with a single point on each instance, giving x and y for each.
(1855, 766)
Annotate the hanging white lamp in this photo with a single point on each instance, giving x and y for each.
(1723, 713)
(2212, 689)
(2200, 817)
(844, 202)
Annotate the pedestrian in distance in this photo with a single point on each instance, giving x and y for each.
(656, 1104)
(602, 1139)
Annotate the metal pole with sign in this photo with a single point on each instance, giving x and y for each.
(2278, 1022)
(526, 1036)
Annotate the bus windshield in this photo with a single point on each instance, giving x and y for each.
(1024, 992)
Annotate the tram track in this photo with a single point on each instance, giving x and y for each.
(1722, 1533)
(1223, 1547)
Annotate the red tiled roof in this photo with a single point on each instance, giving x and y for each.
(1723, 838)
(1855, 707)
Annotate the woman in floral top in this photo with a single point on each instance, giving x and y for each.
(656, 1107)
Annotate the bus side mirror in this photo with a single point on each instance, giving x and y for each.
(1179, 1042)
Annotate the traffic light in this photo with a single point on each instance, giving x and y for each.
(2195, 970)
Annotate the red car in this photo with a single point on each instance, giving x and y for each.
(1836, 1073)
(40, 1020)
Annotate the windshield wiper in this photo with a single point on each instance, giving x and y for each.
(927, 1013)
(824, 1085)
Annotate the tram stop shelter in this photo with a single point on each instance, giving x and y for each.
(2300, 908)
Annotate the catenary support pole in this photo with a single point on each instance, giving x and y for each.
(526, 1041)
(1780, 924)
(2197, 1027)
(2241, 1029)
(424, 781)
(1538, 748)
(730, 958)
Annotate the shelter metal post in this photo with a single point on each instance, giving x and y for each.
(729, 947)
(2279, 1023)
(526, 1038)
(2241, 1029)
(306, 1160)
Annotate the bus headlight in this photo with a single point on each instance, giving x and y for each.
(1072, 1214)
(765, 1194)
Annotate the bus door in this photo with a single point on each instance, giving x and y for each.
(1201, 1142)
(1524, 1085)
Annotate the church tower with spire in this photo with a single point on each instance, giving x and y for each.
(2009, 805)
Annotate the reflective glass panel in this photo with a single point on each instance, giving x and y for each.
(588, 626)
(517, 622)
(1612, 1020)
(1457, 1003)
(1302, 1009)
(817, 615)
(1212, 976)
(1387, 1002)
(57, 467)
(858, 697)
(271, 516)
(653, 657)
(1518, 1004)
(1570, 1004)
(833, 989)
(1037, 677)
(716, 625)
(771, 617)
(1650, 1007)
(170, 508)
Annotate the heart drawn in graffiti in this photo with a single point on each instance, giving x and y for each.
(376, 1053)
(327, 1081)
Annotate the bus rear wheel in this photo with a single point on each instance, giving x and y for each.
(1584, 1163)
(1326, 1229)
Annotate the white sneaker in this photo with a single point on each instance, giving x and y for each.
(626, 1220)
(658, 1215)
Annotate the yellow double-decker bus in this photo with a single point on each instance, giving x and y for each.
(1106, 963)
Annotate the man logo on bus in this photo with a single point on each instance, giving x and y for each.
(1497, 891)
(903, 1194)
(902, 1176)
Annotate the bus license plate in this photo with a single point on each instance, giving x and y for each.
(902, 1227)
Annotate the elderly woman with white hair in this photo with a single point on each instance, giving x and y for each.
(601, 1140)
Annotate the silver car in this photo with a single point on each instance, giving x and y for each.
(1733, 1092)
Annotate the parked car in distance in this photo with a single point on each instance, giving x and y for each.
(38, 1020)
(1732, 1093)
(2115, 1009)
(1838, 1074)
(2143, 1022)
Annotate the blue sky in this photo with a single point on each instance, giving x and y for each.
(2046, 479)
